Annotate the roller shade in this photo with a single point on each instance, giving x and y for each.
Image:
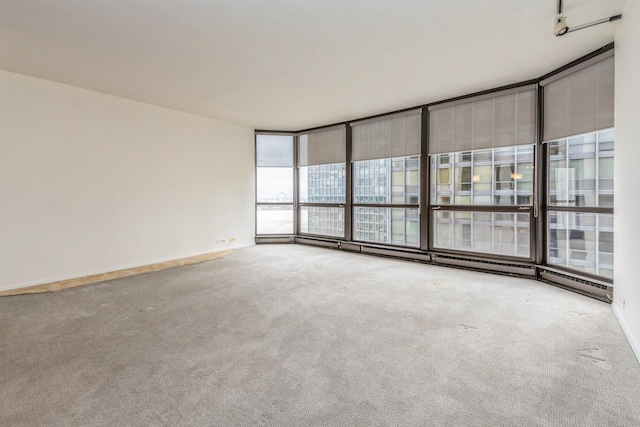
(580, 102)
(322, 147)
(274, 150)
(502, 119)
(391, 136)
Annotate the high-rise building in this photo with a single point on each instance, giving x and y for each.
(375, 182)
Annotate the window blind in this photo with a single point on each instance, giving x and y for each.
(581, 101)
(322, 147)
(274, 150)
(397, 135)
(502, 119)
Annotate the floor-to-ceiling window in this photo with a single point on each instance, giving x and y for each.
(579, 136)
(386, 179)
(482, 154)
(275, 196)
(470, 183)
(322, 181)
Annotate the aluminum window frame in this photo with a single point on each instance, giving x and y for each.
(275, 237)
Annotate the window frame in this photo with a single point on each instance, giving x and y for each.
(418, 206)
(269, 237)
(530, 209)
(308, 204)
(596, 210)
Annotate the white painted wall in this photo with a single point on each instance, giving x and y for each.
(626, 302)
(91, 183)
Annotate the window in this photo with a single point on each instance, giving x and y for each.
(274, 185)
(386, 180)
(322, 181)
(580, 213)
(498, 176)
(495, 189)
(579, 139)
(482, 156)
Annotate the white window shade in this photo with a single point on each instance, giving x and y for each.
(503, 119)
(274, 150)
(392, 136)
(322, 147)
(579, 102)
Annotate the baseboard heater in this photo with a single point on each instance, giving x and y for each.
(477, 264)
(399, 253)
(395, 253)
(599, 290)
(364, 248)
(593, 288)
(274, 239)
(318, 242)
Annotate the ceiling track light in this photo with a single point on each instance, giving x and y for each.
(561, 28)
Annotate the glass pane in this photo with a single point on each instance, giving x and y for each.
(326, 221)
(500, 176)
(387, 181)
(581, 170)
(485, 232)
(274, 185)
(322, 183)
(396, 226)
(581, 241)
(274, 150)
(274, 219)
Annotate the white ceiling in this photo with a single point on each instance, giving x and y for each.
(293, 64)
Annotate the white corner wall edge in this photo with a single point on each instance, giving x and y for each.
(633, 342)
(118, 268)
(93, 183)
(626, 290)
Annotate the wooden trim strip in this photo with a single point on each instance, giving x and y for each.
(95, 278)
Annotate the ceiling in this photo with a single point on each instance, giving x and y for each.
(293, 64)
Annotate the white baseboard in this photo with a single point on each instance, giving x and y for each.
(12, 287)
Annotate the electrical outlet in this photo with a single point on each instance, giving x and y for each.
(622, 301)
(232, 239)
(220, 241)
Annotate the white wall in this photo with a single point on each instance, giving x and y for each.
(626, 303)
(91, 183)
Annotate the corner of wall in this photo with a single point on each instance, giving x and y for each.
(626, 305)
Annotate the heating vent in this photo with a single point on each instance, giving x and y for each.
(396, 253)
(347, 246)
(592, 288)
(274, 239)
(316, 242)
(511, 268)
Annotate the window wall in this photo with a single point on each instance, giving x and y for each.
(468, 180)
(386, 180)
(274, 185)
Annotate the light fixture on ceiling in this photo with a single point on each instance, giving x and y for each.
(561, 28)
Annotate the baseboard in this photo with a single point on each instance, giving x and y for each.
(56, 285)
(633, 342)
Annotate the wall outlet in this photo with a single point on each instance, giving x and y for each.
(232, 239)
(622, 302)
(219, 241)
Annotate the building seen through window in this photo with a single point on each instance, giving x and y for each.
(387, 182)
(581, 178)
(322, 184)
(491, 177)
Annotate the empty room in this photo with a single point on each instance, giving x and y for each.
(331, 213)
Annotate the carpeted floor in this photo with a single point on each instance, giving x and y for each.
(288, 335)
